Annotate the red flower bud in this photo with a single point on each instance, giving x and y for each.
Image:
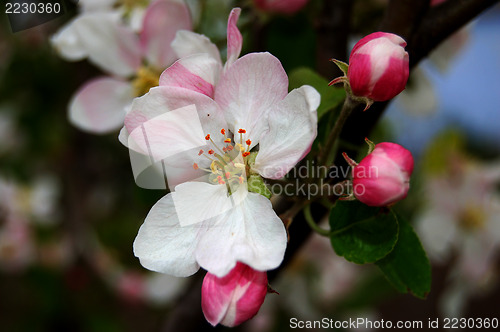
(383, 177)
(378, 66)
(234, 298)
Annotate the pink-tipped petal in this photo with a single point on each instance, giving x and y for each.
(234, 38)
(161, 22)
(99, 106)
(188, 43)
(197, 72)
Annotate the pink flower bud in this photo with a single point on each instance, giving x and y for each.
(287, 7)
(383, 177)
(378, 66)
(234, 298)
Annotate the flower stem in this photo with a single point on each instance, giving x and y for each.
(347, 108)
(310, 220)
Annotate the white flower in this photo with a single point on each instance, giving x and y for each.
(462, 218)
(211, 219)
(133, 61)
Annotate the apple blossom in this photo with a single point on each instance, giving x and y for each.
(280, 6)
(460, 224)
(212, 219)
(133, 61)
(378, 66)
(217, 223)
(234, 298)
(383, 176)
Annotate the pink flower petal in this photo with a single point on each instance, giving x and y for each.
(162, 20)
(99, 106)
(188, 43)
(197, 72)
(234, 38)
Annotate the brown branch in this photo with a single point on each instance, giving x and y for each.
(332, 27)
(441, 22)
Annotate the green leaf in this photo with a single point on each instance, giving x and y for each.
(362, 234)
(331, 97)
(407, 266)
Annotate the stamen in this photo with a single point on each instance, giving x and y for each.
(224, 149)
(230, 148)
(221, 181)
(195, 166)
(241, 132)
(228, 175)
(214, 168)
(207, 137)
(223, 131)
(246, 154)
(211, 151)
(227, 140)
(200, 153)
(249, 142)
(240, 179)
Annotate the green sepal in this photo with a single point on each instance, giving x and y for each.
(257, 185)
(342, 65)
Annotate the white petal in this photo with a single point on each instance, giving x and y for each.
(438, 233)
(250, 233)
(249, 89)
(189, 43)
(292, 129)
(99, 106)
(111, 46)
(168, 134)
(67, 42)
(164, 246)
(160, 100)
(196, 202)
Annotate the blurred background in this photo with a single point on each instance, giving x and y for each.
(70, 209)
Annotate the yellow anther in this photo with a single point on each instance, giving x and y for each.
(214, 167)
(240, 147)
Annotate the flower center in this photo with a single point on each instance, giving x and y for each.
(131, 4)
(227, 167)
(145, 79)
(472, 218)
